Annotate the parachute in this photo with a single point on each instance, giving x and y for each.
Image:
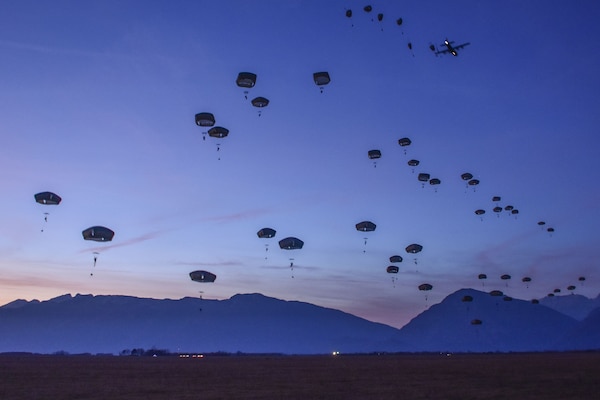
(507, 298)
(497, 210)
(380, 17)
(205, 119)
(374, 155)
(526, 280)
(482, 277)
(541, 223)
(202, 276)
(349, 13)
(557, 290)
(480, 213)
(535, 301)
(571, 288)
(423, 177)
(413, 163)
(392, 269)
(98, 234)
(395, 259)
(425, 286)
(246, 80)
(365, 226)
(496, 293)
(466, 176)
(496, 199)
(368, 8)
(506, 278)
(434, 182)
(476, 322)
(266, 233)
(467, 298)
(399, 21)
(321, 79)
(404, 142)
(291, 243)
(260, 102)
(218, 132)
(414, 248)
(473, 182)
(47, 198)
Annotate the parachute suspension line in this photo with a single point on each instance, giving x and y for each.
(292, 266)
(266, 250)
(246, 94)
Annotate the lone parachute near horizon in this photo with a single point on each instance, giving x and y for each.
(365, 226)
(97, 234)
(202, 276)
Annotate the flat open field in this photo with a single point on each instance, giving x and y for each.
(458, 376)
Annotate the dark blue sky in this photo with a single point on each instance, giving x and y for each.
(98, 102)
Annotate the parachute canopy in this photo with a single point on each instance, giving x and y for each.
(423, 177)
(246, 79)
(467, 298)
(425, 286)
(392, 269)
(505, 277)
(414, 248)
(205, 119)
(434, 181)
(366, 226)
(374, 154)
(476, 322)
(404, 142)
(98, 234)
(291, 243)
(260, 102)
(321, 78)
(571, 288)
(496, 293)
(47, 198)
(202, 276)
(480, 212)
(395, 259)
(473, 182)
(535, 301)
(413, 163)
(218, 132)
(526, 279)
(482, 276)
(496, 198)
(266, 233)
(368, 8)
(466, 176)
(349, 13)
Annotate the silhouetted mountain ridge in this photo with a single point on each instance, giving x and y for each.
(254, 323)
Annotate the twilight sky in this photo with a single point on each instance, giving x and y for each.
(97, 104)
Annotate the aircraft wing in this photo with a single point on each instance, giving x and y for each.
(460, 46)
(442, 51)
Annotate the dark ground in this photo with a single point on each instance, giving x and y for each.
(458, 376)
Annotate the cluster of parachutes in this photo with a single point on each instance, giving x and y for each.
(93, 233)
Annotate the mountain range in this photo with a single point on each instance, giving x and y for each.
(465, 321)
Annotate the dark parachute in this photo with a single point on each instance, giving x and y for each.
(403, 142)
(497, 210)
(266, 233)
(507, 298)
(414, 248)
(480, 213)
(505, 277)
(218, 132)
(466, 176)
(399, 21)
(473, 182)
(476, 322)
(581, 278)
(202, 276)
(321, 79)
(374, 154)
(425, 286)
(349, 13)
(571, 288)
(392, 269)
(423, 177)
(246, 80)
(557, 290)
(496, 293)
(395, 259)
(260, 102)
(434, 182)
(98, 234)
(205, 119)
(526, 279)
(482, 276)
(365, 226)
(496, 199)
(541, 223)
(413, 164)
(467, 298)
(368, 8)
(291, 243)
(47, 198)
(380, 17)
(535, 301)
